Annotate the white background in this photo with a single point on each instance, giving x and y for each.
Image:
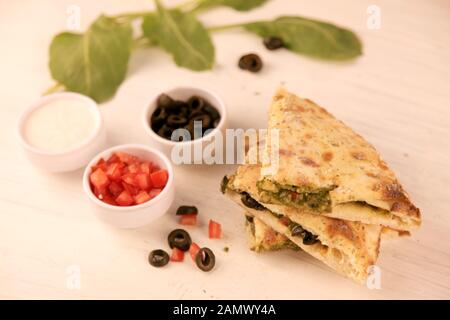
(396, 95)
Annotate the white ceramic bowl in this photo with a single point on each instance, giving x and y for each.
(184, 93)
(68, 160)
(138, 215)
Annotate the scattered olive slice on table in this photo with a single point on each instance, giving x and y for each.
(273, 43)
(251, 62)
(180, 239)
(183, 210)
(158, 258)
(205, 259)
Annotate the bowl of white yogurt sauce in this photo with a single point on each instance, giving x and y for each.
(62, 131)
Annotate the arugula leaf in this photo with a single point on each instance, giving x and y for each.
(182, 35)
(150, 23)
(240, 5)
(94, 63)
(311, 37)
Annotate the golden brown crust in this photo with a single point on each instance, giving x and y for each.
(340, 227)
(335, 156)
(353, 239)
(352, 261)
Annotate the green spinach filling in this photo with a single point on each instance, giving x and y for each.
(272, 192)
(295, 229)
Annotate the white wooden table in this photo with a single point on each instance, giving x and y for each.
(397, 95)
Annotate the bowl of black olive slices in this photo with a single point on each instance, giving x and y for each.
(185, 118)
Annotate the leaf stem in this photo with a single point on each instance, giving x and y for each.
(187, 5)
(55, 88)
(228, 26)
(141, 42)
(200, 6)
(132, 15)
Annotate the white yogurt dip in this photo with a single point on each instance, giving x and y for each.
(59, 125)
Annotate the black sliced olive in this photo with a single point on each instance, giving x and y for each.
(249, 218)
(212, 111)
(204, 118)
(157, 119)
(165, 132)
(180, 239)
(248, 201)
(176, 121)
(273, 43)
(224, 184)
(178, 107)
(164, 101)
(158, 258)
(196, 103)
(187, 210)
(251, 62)
(205, 259)
(296, 230)
(309, 238)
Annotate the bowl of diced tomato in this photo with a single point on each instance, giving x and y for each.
(129, 185)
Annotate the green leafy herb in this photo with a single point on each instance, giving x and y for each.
(182, 35)
(310, 37)
(93, 63)
(150, 24)
(240, 5)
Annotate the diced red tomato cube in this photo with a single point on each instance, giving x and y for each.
(109, 200)
(215, 230)
(285, 221)
(115, 188)
(177, 255)
(99, 179)
(124, 180)
(154, 192)
(134, 168)
(159, 178)
(193, 250)
(113, 158)
(114, 171)
(124, 170)
(141, 197)
(101, 164)
(146, 167)
(99, 193)
(130, 178)
(188, 219)
(130, 189)
(125, 199)
(143, 181)
(127, 158)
